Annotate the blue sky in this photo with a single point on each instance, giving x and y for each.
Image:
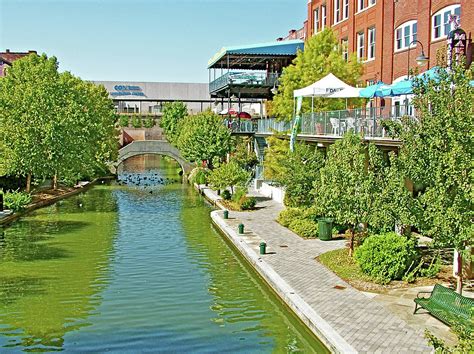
(142, 40)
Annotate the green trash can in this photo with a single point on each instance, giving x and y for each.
(325, 229)
(226, 214)
(263, 248)
(241, 229)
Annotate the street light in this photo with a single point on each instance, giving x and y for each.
(421, 60)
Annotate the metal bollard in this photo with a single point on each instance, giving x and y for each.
(263, 248)
(1, 201)
(241, 228)
(226, 214)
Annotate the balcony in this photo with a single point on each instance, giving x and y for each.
(244, 85)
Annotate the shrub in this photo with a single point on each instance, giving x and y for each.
(199, 175)
(289, 214)
(239, 194)
(124, 121)
(247, 203)
(386, 257)
(136, 122)
(149, 122)
(16, 200)
(226, 195)
(304, 227)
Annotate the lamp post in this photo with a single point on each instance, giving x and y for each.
(420, 60)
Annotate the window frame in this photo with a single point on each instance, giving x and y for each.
(360, 5)
(345, 48)
(443, 21)
(324, 17)
(360, 48)
(371, 43)
(337, 11)
(316, 20)
(400, 35)
(345, 10)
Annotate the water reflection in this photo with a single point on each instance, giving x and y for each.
(121, 269)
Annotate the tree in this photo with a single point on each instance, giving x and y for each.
(437, 153)
(53, 124)
(347, 184)
(322, 55)
(229, 175)
(204, 136)
(173, 114)
(275, 154)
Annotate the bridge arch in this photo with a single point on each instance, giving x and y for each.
(157, 147)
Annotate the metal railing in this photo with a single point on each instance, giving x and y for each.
(261, 79)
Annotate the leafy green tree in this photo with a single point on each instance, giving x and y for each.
(437, 153)
(275, 154)
(204, 136)
(347, 183)
(242, 154)
(229, 175)
(173, 114)
(322, 55)
(54, 125)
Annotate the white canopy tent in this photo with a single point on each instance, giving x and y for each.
(350, 92)
(328, 85)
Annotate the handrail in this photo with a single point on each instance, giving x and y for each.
(244, 78)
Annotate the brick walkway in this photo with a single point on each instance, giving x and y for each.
(364, 324)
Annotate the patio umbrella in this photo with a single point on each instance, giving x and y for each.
(375, 90)
(244, 115)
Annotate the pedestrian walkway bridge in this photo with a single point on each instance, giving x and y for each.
(160, 147)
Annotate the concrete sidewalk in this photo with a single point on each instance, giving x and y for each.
(347, 320)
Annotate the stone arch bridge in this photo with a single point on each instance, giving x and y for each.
(159, 147)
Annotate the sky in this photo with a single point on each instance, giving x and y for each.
(142, 40)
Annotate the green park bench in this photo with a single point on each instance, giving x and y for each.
(448, 306)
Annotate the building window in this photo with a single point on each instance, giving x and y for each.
(360, 45)
(371, 44)
(372, 2)
(345, 48)
(405, 34)
(337, 11)
(360, 5)
(345, 10)
(443, 21)
(323, 16)
(316, 20)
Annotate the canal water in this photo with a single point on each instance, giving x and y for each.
(135, 266)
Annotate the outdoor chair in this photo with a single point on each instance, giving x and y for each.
(350, 124)
(336, 126)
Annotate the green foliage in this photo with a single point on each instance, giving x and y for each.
(136, 121)
(244, 156)
(149, 122)
(348, 182)
(239, 193)
(199, 175)
(304, 227)
(247, 203)
(433, 268)
(287, 215)
(228, 175)
(124, 121)
(226, 195)
(173, 114)
(465, 341)
(203, 136)
(54, 124)
(16, 201)
(386, 257)
(321, 56)
(275, 154)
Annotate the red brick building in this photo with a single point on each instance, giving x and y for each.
(8, 57)
(381, 31)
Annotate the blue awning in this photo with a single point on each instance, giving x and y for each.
(277, 48)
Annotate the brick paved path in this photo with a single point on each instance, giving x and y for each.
(362, 322)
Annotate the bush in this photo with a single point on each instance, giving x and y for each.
(124, 121)
(238, 194)
(136, 122)
(290, 214)
(386, 257)
(226, 195)
(149, 122)
(16, 201)
(199, 175)
(247, 203)
(304, 227)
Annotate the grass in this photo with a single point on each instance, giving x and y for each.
(344, 266)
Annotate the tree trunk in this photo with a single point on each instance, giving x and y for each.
(457, 267)
(54, 184)
(28, 183)
(351, 242)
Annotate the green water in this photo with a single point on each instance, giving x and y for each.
(135, 269)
